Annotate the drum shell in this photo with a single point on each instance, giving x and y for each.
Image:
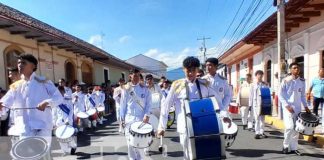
(244, 95)
(264, 101)
(233, 108)
(304, 126)
(139, 140)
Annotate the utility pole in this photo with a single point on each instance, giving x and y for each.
(203, 48)
(281, 38)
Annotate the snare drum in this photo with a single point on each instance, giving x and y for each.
(64, 133)
(306, 123)
(171, 117)
(233, 108)
(82, 115)
(140, 135)
(31, 148)
(229, 134)
(91, 111)
(204, 129)
(101, 109)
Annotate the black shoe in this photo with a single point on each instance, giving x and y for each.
(244, 127)
(73, 151)
(251, 129)
(285, 151)
(264, 136)
(297, 152)
(257, 136)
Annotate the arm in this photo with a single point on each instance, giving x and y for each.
(55, 97)
(283, 96)
(123, 104)
(251, 96)
(148, 103)
(165, 107)
(310, 90)
(303, 96)
(7, 100)
(238, 97)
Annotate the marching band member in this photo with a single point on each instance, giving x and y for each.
(78, 100)
(165, 90)
(64, 116)
(68, 90)
(259, 119)
(292, 95)
(90, 103)
(155, 91)
(99, 98)
(117, 96)
(178, 93)
(33, 92)
(219, 83)
(246, 111)
(135, 105)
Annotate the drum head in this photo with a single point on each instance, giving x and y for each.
(30, 148)
(64, 131)
(233, 129)
(82, 115)
(91, 111)
(101, 109)
(141, 128)
(308, 117)
(154, 121)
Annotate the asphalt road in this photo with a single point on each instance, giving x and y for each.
(107, 143)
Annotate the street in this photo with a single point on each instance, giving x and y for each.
(107, 143)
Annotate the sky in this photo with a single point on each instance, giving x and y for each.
(166, 30)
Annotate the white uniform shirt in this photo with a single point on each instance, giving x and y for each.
(79, 103)
(60, 117)
(253, 93)
(220, 86)
(292, 93)
(28, 93)
(117, 95)
(135, 103)
(176, 97)
(99, 98)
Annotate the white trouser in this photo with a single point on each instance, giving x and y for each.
(156, 111)
(259, 122)
(118, 112)
(44, 133)
(133, 153)
(247, 116)
(66, 147)
(184, 143)
(290, 136)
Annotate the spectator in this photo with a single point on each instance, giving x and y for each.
(317, 86)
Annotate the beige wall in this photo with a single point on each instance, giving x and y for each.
(47, 54)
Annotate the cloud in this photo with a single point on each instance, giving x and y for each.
(171, 58)
(96, 40)
(124, 39)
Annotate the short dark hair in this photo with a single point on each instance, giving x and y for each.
(148, 76)
(61, 89)
(133, 71)
(258, 72)
(30, 58)
(62, 79)
(163, 77)
(212, 60)
(248, 75)
(121, 80)
(293, 64)
(191, 62)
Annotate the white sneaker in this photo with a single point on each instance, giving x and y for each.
(100, 122)
(89, 124)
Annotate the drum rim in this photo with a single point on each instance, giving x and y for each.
(40, 155)
(132, 131)
(317, 118)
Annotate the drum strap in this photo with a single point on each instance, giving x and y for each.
(65, 109)
(92, 102)
(198, 87)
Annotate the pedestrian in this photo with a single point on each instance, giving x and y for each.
(292, 95)
(68, 90)
(242, 101)
(317, 86)
(135, 104)
(178, 93)
(78, 100)
(117, 96)
(36, 92)
(253, 101)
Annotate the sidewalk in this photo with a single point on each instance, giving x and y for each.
(279, 124)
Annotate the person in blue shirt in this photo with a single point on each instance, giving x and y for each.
(317, 86)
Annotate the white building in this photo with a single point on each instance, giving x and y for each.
(157, 68)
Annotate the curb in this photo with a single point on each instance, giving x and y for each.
(279, 124)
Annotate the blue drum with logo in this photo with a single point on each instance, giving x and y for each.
(204, 129)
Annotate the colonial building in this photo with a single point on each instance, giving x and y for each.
(60, 54)
(258, 50)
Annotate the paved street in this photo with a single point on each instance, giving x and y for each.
(106, 143)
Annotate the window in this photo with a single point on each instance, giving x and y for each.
(106, 75)
(86, 73)
(69, 71)
(300, 61)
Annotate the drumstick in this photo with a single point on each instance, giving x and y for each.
(19, 108)
(141, 125)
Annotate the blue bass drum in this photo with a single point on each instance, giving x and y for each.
(204, 129)
(264, 106)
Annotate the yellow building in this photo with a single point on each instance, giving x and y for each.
(60, 54)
